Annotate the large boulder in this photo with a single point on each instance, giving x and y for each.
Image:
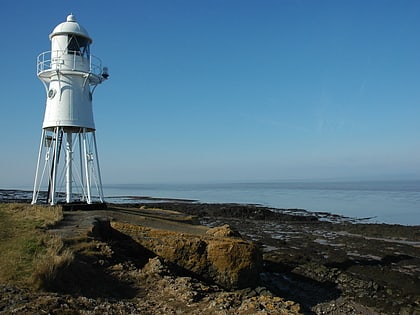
(228, 261)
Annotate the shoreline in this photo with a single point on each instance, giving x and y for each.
(17, 195)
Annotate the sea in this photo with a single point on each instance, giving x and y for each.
(392, 202)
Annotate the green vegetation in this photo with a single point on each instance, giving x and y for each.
(29, 255)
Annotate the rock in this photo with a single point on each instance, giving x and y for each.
(230, 262)
(223, 231)
(101, 228)
(263, 291)
(233, 263)
(268, 305)
(155, 266)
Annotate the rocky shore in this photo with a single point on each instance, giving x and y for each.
(326, 263)
(193, 258)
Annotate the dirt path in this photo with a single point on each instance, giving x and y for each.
(79, 222)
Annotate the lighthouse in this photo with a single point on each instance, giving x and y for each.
(68, 163)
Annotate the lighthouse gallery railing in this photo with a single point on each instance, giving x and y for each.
(46, 60)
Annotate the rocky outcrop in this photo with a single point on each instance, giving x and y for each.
(219, 256)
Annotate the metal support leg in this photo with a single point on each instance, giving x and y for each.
(69, 164)
(57, 131)
(36, 185)
(86, 159)
(82, 185)
(101, 192)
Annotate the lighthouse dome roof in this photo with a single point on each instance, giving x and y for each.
(70, 26)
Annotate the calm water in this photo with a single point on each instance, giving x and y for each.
(384, 201)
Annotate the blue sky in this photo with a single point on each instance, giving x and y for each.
(227, 90)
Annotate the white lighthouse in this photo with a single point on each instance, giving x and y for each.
(68, 163)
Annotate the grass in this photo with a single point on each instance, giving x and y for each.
(29, 255)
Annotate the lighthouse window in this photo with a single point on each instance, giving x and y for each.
(78, 45)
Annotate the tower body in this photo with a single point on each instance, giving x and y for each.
(68, 163)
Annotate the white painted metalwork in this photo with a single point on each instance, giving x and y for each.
(51, 60)
(70, 75)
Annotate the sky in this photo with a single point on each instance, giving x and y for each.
(227, 90)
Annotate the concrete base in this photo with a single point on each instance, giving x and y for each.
(83, 206)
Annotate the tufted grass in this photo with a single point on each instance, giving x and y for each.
(28, 254)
